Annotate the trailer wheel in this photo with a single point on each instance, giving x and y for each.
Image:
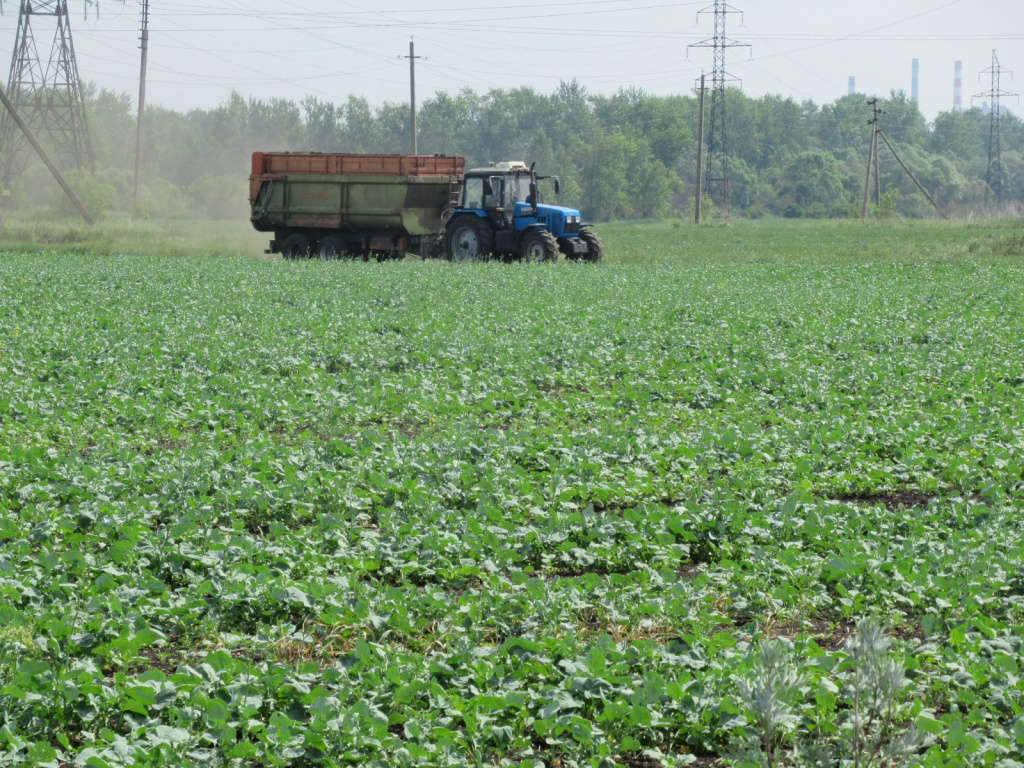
(330, 248)
(595, 251)
(296, 247)
(469, 239)
(539, 245)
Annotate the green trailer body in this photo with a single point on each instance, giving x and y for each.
(380, 204)
(326, 204)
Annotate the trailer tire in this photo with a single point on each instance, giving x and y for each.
(539, 246)
(595, 250)
(330, 248)
(469, 239)
(296, 247)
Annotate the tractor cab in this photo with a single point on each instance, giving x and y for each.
(505, 194)
(497, 190)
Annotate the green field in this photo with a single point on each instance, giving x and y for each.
(262, 513)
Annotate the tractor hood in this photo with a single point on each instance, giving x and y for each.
(561, 222)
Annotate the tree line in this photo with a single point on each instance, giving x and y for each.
(631, 155)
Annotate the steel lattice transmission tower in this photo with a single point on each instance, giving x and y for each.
(995, 174)
(47, 93)
(716, 177)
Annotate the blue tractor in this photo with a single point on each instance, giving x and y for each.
(500, 212)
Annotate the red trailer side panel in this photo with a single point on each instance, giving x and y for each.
(322, 164)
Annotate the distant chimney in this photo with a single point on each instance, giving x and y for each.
(853, 84)
(958, 86)
(915, 88)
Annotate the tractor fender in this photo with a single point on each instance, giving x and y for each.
(532, 227)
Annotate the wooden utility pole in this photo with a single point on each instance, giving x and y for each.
(878, 176)
(867, 178)
(872, 160)
(142, 107)
(699, 196)
(412, 92)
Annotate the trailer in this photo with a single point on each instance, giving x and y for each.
(328, 205)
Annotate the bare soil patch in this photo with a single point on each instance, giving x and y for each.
(894, 500)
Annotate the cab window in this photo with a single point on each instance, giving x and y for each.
(473, 194)
(494, 188)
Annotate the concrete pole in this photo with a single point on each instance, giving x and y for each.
(412, 92)
(142, 107)
(699, 196)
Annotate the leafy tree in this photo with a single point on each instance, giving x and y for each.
(842, 125)
(813, 177)
(960, 134)
(744, 184)
(359, 126)
(112, 128)
(903, 121)
(603, 176)
(628, 155)
(660, 121)
(650, 182)
(443, 120)
(325, 124)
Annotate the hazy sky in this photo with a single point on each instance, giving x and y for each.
(201, 51)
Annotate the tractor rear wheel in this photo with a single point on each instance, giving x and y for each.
(469, 239)
(538, 246)
(595, 251)
(296, 246)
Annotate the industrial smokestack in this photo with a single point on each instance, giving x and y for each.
(958, 86)
(915, 88)
(853, 85)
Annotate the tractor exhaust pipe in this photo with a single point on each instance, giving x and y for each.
(534, 189)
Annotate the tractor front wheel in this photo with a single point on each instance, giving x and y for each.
(539, 246)
(595, 251)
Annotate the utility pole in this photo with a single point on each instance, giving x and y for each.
(994, 174)
(142, 106)
(878, 175)
(717, 176)
(872, 159)
(699, 193)
(46, 94)
(412, 91)
(876, 133)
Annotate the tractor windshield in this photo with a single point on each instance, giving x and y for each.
(520, 188)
